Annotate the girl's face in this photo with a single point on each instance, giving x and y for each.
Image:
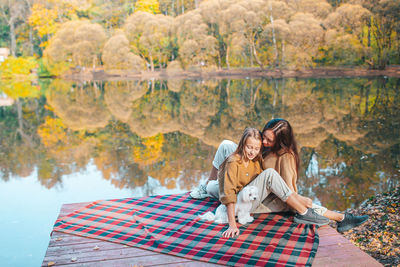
(251, 148)
(268, 138)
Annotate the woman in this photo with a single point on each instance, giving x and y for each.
(280, 153)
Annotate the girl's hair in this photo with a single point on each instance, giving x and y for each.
(248, 132)
(284, 140)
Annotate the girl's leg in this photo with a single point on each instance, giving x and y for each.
(225, 149)
(212, 189)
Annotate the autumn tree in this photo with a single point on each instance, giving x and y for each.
(383, 32)
(44, 22)
(150, 6)
(117, 55)
(110, 14)
(150, 37)
(13, 12)
(306, 34)
(196, 46)
(77, 43)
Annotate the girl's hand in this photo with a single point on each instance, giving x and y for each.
(231, 232)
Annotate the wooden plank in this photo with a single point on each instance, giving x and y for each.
(335, 250)
(65, 249)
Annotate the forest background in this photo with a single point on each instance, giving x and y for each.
(57, 36)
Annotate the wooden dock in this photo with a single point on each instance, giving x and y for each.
(64, 249)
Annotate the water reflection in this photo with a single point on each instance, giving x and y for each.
(168, 130)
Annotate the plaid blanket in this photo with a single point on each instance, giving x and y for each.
(169, 224)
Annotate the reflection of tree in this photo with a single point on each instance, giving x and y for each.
(80, 107)
(363, 157)
(156, 112)
(19, 146)
(114, 158)
(237, 109)
(348, 130)
(148, 152)
(183, 159)
(120, 95)
(162, 111)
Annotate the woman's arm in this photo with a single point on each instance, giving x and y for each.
(232, 229)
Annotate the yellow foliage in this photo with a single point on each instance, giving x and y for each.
(43, 20)
(19, 89)
(52, 131)
(150, 6)
(13, 67)
(17, 79)
(150, 151)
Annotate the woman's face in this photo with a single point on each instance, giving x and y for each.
(251, 148)
(268, 138)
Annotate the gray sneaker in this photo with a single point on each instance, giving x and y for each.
(199, 192)
(311, 218)
(350, 221)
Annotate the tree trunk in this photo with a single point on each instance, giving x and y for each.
(227, 57)
(253, 47)
(151, 63)
(31, 52)
(160, 60)
(273, 35)
(12, 38)
(251, 56)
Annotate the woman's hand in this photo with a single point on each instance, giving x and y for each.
(306, 201)
(231, 232)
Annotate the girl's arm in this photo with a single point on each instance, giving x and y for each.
(232, 229)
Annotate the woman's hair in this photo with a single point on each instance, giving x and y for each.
(248, 132)
(284, 139)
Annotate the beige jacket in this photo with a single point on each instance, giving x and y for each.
(285, 165)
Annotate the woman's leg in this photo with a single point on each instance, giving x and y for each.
(344, 222)
(333, 215)
(269, 181)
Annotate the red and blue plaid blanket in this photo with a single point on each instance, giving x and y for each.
(169, 224)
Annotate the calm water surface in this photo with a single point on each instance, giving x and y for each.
(71, 142)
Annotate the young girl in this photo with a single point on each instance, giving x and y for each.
(243, 168)
(280, 153)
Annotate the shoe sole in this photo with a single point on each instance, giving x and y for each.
(199, 196)
(308, 222)
(344, 229)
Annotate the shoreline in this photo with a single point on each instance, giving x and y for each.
(325, 72)
(380, 235)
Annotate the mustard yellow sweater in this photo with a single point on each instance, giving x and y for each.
(233, 176)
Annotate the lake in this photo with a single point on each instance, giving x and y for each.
(73, 142)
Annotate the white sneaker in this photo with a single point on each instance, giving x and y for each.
(199, 192)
